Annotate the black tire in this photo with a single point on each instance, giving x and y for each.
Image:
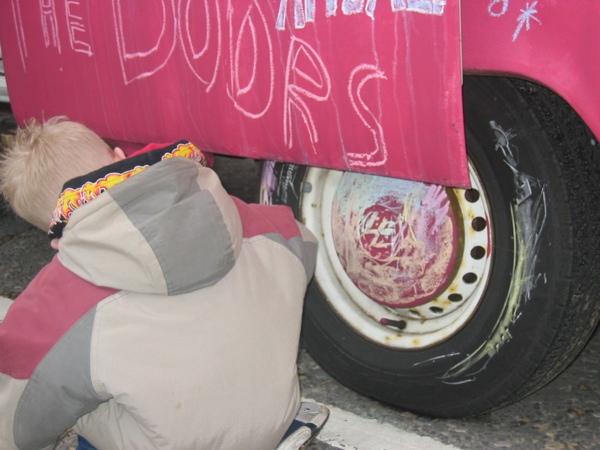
(539, 307)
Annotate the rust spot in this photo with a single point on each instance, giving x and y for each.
(416, 342)
(389, 339)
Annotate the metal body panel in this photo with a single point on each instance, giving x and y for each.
(551, 42)
(349, 84)
(357, 85)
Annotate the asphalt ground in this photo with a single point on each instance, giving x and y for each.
(563, 415)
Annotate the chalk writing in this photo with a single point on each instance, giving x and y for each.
(18, 21)
(253, 27)
(232, 52)
(433, 7)
(300, 85)
(358, 78)
(394, 238)
(380, 231)
(436, 199)
(498, 8)
(525, 18)
(143, 63)
(304, 10)
(529, 211)
(49, 24)
(435, 359)
(77, 29)
(196, 58)
(497, 11)
(503, 138)
(359, 6)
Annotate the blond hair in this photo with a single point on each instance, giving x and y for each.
(42, 157)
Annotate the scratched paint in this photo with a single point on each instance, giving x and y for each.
(529, 212)
(395, 239)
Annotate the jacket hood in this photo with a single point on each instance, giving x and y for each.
(168, 230)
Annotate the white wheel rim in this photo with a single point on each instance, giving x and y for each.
(422, 326)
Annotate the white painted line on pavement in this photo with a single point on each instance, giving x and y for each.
(4, 304)
(347, 431)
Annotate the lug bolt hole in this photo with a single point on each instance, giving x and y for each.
(477, 252)
(436, 310)
(455, 298)
(472, 195)
(400, 324)
(479, 223)
(469, 278)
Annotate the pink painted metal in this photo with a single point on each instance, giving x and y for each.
(356, 85)
(552, 42)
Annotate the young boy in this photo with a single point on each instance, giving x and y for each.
(170, 316)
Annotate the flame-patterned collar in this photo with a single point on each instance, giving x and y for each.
(81, 190)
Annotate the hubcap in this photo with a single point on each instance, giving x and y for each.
(396, 240)
(404, 263)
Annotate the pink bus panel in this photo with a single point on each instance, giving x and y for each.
(354, 85)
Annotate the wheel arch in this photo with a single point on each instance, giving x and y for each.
(449, 366)
(555, 48)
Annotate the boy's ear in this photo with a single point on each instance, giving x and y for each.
(119, 154)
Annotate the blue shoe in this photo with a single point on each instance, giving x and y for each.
(83, 444)
(306, 425)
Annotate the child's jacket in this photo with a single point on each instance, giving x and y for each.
(170, 318)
